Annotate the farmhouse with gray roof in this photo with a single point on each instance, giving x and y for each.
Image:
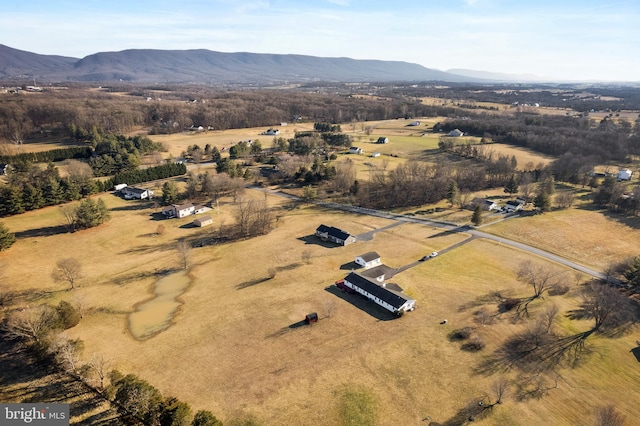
(335, 235)
(391, 300)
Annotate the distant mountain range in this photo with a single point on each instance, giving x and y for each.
(208, 67)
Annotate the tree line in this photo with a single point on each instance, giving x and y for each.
(83, 115)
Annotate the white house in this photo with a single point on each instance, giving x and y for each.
(131, 192)
(456, 133)
(335, 235)
(625, 174)
(393, 301)
(368, 260)
(355, 150)
(513, 205)
(490, 205)
(178, 211)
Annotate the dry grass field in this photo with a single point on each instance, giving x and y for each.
(233, 347)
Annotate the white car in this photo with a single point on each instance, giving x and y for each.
(434, 254)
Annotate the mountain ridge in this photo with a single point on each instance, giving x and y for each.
(211, 67)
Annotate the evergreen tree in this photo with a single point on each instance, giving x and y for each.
(169, 192)
(53, 192)
(632, 273)
(453, 193)
(32, 197)
(476, 218)
(542, 201)
(205, 418)
(90, 213)
(6, 238)
(12, 201)
(511, 187)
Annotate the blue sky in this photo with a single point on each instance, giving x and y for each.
(561, 39)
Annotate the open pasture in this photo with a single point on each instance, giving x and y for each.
(592, 237)
(234, 347)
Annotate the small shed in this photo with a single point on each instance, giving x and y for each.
(203, 221)
(311, 318)
(456, 133)
(355, 150)
(383, 139)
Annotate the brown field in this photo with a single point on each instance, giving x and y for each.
(230, 348)
(591, 237)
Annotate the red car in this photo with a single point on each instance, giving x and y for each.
(341, 285)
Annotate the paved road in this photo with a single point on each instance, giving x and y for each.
(451, 227)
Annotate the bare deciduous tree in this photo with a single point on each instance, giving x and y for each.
(67, 270)
(32, 324)
(69, 212)
(564, 199)
(500, 388)
(99, 365)
(184, 253)
(609, 416)
(541, 279)
(67, 353)
(306, 256)
(330, 307)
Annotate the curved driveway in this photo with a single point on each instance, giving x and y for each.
(474, 232)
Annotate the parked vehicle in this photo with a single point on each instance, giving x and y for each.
(434, 254)
(341, 285)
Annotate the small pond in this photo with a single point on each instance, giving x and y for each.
(156, 315)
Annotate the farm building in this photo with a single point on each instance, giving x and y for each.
(513, 205)
(379, 273)
(625, 174)
(311, 318)
(383, 139)
(355, 150)
(368, 260)
(272, 132)
(456, 133)
(119, 187)
(131, 192)
(179, 211)
(335, 235)
(391, 300)
(203, 221)
(375, 154)
(490, 205)
(414, 123)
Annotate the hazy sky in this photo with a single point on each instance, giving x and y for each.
(559, 39)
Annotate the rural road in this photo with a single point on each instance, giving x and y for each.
(474, 232)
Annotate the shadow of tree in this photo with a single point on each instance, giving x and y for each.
(46, 231)
(251, 283)
(133, 206)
